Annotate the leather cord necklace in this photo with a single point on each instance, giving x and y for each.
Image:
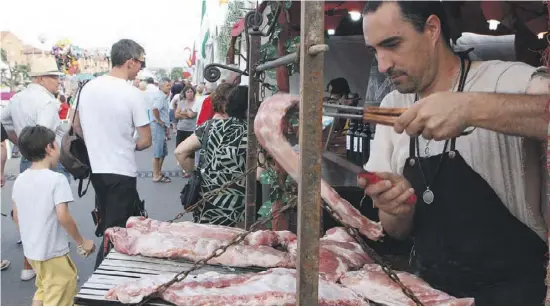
(428, 195)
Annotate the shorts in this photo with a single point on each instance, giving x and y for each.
(181, 136)
(172, 115)
(158, 135)
(56, 283)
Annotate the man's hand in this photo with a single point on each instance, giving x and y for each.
(391, 194)
(440, 116)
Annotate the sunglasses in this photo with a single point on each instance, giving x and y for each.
(141, 62)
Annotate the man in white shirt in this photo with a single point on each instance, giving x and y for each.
(110, 110)
(35, 105)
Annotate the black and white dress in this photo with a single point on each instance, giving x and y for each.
(225, 160)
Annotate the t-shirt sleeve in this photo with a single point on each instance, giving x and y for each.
(382, 145)
(62, 190)
(199, 131)
(139, 113)
(4, 133)
(158, 101)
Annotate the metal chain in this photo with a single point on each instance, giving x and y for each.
(385, 267)
(209, 195)
(218, 252)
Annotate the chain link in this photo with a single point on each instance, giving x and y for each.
(385, 267)
(218, 252)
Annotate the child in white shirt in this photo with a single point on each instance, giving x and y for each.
(40, 209)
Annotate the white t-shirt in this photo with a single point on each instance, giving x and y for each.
(36, 193)
(110, 110)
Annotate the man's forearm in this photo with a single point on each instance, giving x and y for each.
(519, 115)
(156, 114)
(12, 136)
(398, 227)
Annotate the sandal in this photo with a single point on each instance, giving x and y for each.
(163, 179)
(5, 264)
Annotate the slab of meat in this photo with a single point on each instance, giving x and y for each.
(173, 245)
(268, 127)
(275, 287)
(338, 254)
(373, 284)
(206, 231)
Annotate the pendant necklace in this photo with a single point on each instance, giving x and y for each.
(428, 195)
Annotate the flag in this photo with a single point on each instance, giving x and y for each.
(203, 10)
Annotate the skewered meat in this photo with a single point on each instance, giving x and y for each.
(269, 126)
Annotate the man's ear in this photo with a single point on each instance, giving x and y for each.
(433, 28)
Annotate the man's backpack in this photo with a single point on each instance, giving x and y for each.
(74, 153)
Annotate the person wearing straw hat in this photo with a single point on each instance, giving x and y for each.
(35, 105)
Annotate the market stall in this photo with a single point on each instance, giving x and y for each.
(300, 269)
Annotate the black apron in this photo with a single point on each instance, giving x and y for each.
(467, 243)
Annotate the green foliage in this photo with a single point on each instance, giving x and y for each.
(161, 73)
(176, 73)
(234, 13)
(15, 74)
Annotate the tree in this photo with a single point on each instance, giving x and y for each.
(161, 73)
(13, 75)
(176, 73)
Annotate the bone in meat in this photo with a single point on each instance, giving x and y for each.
(157, 244)
(373, 284)
(274, 287)
(268, 127)
(338, 254)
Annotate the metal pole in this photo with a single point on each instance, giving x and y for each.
(252, 145)
(284, 60)
(312, 26)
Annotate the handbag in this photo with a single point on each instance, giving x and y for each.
(191, 191)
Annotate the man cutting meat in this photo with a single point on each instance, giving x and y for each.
(477, 225)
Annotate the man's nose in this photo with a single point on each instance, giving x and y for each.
(384, 64)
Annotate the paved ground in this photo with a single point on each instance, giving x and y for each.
(162, 202)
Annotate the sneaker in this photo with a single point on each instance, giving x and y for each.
(19, 242)
(5, 264)
(27, 275)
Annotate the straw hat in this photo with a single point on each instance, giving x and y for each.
(44, 67)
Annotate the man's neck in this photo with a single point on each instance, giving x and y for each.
(446, 75)
(120, 73)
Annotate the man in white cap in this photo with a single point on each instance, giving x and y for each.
(35, 105)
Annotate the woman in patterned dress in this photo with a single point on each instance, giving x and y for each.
(225, 160)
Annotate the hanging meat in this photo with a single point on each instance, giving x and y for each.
(269, 127)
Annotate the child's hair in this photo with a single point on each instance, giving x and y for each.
(33, 141)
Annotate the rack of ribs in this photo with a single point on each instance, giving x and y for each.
(373, 284)
(275, 287)
(269, 127)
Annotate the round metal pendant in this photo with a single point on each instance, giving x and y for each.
(428, 196)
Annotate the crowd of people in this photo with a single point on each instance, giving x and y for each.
(113, 112)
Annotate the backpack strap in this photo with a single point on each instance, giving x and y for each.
(80, 184)
(71, 130)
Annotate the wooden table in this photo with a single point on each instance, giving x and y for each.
(118, 268)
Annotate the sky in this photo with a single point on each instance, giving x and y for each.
(163, 27)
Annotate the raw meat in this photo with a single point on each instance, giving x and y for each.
(373, 284)
(338, 254)
(206, 231)
(174, 245)
(268, 127)
(274, 287)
